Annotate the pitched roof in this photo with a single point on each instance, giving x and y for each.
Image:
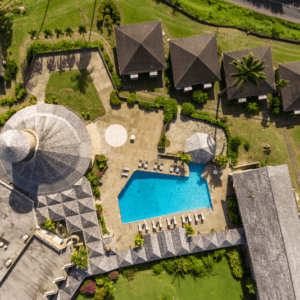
(195, 60)
(271, 223)
(265, 87)
(291, 94)
(140, 48)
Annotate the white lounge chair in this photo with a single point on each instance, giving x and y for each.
(174, 220)
(153, 225)
(155, 166)
(171, 169)
(160, 224)
(161, 166)
(125, 174)
(196, 217)
(177, 169)
(190, 219)
(168, 222)
(140, 227)
(183, 219)
(146, 226)
(140, 163)
(125, 169)
(146, 164)
(57, 240)
(202, 216)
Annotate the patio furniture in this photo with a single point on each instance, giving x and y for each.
(146, 226)
(161, 166)
(171, 169)
(140, 227)
(153, 225)
(187, 88)
(190, 219)
(177, 169)
(125, 169)
(25, 237)
(174, 220)
(57, 240)
(183, 219)
(215, 172)
(140, 163)
(134, 76)
(8, 263)
(1, 244)
(202, 216)
(207, 85)
(125, 174)
(196, 217)
(132, 137)
(168, 222)
(160, 224)
(155, 166)
(146, 164)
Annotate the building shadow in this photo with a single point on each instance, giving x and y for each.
(18, 204)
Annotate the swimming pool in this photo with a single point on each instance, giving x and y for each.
(148, 194)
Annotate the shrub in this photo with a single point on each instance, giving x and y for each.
(11, 70)
(170, 107)
(252, 107)
(157, 269)
(129, 274)
(250, 284)
(113, 276)
(96, 191)
(104, 7)
(110, 67)
(162, 142)
(83, 114)
(189, 229)
(231, 201)
(118, 23)
(101, 161)
(100, 294)
(106, 58)
(168, 83)
(202, 113)
(55, 101)
(18, 88)
(132, 98)
(80, 258)
(185, 157)
(222, 160)
(48, 101)
(145, 104)
(116, 80)
(218, 254)
(187, 109)
(49, 224)
(32, 100)
(199, 97)
(235, 263)
(99, 209)
(109, 288)
(88, 288)
(138, 240)
(236, 142)
(276, 105)
(103, 226)
(168, 117)
(247, 146)
(114, 98)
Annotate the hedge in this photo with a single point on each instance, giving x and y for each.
(170, 107)
(114, 98)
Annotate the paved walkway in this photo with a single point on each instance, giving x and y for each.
(282, 9)
(47, 63)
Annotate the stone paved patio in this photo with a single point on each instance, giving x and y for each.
(147, 126)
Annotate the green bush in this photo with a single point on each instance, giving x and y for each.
(80, 258)
(106, 58)
(132, 98)
(189, 229)
(39, 47)
(199, 97)
(116, 80)
(168, 83)
(276, 105)
(170, 107)
(236, 142)
(252, 107)
(114, 98)
(162, 142)
(222, 160)
(187, 109)
(231, 201)
(49, 224)
(235, 262)
(103, 226)
(202, 113)
(11, 70)
(157, 269)
(219, 254)
(247, 146)
(145, 104)
(104, 7)
(138, 240)
(110, 67)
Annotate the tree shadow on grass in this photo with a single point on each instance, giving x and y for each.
(82, 81)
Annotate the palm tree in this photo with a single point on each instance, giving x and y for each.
(185, 157)
(69, 31)
(282, 83)
(33, 34)
(58, 32)
(48, 32)
(82, 30)
(249, 70)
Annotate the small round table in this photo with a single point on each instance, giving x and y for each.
(132, 137)
(215, 172)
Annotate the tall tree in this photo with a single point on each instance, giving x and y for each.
(33, 34)
(58, 32)
(282, 83)
(48, 33)
(248, 70)
(69, 31)
(82, 30)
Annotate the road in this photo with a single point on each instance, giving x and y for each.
(283, 9)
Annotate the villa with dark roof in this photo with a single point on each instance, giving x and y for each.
(270, 218)
(140, 49)
(195, 61)
(263, 88)
(291, 93)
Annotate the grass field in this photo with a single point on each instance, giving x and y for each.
(76, 90)
(146, 286)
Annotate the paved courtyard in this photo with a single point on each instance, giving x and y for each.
(146, 126)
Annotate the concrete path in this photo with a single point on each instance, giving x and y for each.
(47, 63)
(282, 9)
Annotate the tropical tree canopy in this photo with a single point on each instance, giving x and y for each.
(58, 32)
(282, 83)
(48, 32)
(33, 33)
(69, 31)
(248, 70)
(82, 29)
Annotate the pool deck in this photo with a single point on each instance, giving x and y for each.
(147, 126)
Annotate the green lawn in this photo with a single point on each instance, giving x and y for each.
(76, 90)
(146, 286)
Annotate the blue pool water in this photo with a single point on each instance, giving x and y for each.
(148, 194)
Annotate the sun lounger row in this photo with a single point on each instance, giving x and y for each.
(160, 167)
(125, 172)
